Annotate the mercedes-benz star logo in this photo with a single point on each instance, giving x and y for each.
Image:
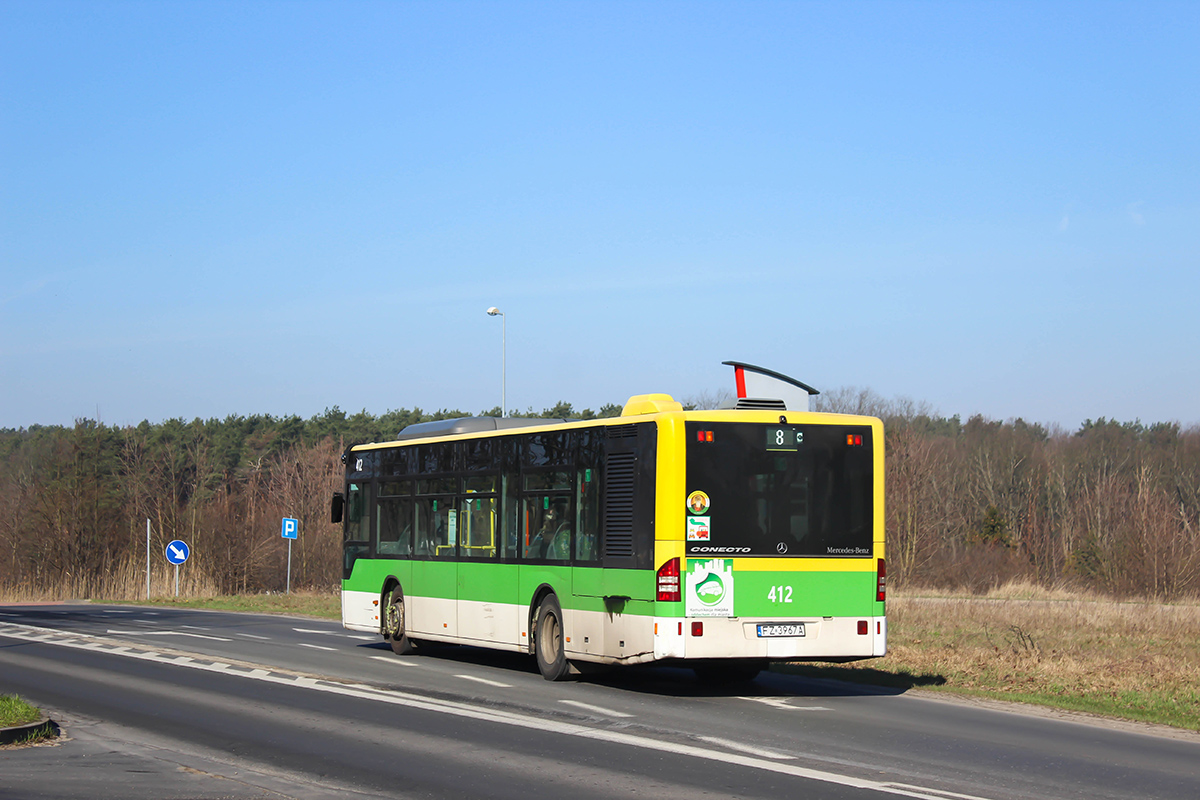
(781, 547)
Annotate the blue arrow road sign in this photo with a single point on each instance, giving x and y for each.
(177, 552)
(291, 528)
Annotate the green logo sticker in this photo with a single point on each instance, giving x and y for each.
(710, 590)
(708, 587)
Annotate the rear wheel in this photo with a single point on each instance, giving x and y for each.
(393, 624)
(548, 640)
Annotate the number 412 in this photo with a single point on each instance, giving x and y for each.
(780, 594)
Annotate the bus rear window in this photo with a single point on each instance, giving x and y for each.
(779, 490)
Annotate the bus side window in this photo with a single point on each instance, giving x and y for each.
(394, 527)
(546, 525)
(587, 507)
(358, 527)
(357, 521)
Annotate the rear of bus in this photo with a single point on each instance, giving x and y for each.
(770, 537)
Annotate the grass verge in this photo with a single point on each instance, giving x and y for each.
(309, 604)
(1131, 660)
(15, 711)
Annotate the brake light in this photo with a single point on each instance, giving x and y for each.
(862, 627)
(881, 582)
(668, 582)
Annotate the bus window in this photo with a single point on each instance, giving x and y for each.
(587, 523)
(435, 528)
(477, 534)
(511, 541)
(358, 526)
(394, 527)
(357, 520)
(547, 527)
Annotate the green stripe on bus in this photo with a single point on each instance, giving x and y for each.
(804, 594)
(756, 593)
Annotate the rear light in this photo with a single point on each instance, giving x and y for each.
(862, 627)
(854, 439)
(881, 582)
(697, 629)
(668, 582)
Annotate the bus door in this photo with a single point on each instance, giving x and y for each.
(435, 571)
(487, 589)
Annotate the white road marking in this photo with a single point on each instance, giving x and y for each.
(485, 680)
(317, 646)
(745, 748)
(394, 661)
(782, 702)
(252, 636)
(337, 633)
(168, 633)
(595, 709)
(195, 627)
(502, 717)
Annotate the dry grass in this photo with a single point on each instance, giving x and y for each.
(1136, 660)
(326, 605)
(127, 582)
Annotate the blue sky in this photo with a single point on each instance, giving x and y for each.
(236, 208)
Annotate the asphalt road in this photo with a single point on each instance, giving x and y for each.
(165, 703)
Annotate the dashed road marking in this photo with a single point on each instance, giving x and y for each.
(168, 633)
(394, 661)
(338, 633)
(317, 646)
(485, 680)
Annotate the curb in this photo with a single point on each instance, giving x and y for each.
(19, 733)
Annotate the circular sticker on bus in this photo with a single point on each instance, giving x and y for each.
(710, 590)
(698, 502)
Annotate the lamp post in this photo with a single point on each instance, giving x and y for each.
(492, 312)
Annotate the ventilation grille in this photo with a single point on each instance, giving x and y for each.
(621, 431)
(618, 505)
(761, 404)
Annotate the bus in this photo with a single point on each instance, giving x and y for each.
(720, 540)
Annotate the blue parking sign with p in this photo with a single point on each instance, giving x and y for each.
(291, 527)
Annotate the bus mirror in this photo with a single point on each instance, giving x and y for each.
(335, 507)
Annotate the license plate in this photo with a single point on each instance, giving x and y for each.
(782, 629)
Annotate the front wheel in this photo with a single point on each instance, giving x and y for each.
(548, 640)
(393, 624)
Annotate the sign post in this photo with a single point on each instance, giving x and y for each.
(291, 528)
(147, 558)
(177, 553)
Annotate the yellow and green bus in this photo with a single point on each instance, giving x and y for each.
(720, 540)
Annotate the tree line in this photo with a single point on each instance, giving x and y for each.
(1113, 507)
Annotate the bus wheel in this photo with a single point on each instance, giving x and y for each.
(548, 641)
(736, 670)
(393, 628)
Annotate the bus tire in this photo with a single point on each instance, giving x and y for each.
(548, 640)
(734, 670)
(393, 627)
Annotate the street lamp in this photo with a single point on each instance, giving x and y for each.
(492, 312)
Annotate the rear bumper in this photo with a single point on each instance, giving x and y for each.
(824, 637)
